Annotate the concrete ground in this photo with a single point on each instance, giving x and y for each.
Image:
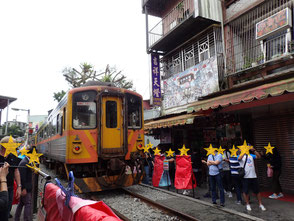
(276, 209)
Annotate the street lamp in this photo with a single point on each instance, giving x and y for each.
(28, 110)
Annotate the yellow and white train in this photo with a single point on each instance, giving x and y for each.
(96, 131)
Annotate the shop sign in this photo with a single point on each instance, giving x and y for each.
(156, 90)
(277, 22)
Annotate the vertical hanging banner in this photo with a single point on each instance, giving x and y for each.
(156, 90)
(157, 170)
(184, 177)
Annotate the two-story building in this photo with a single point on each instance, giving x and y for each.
(226, 75)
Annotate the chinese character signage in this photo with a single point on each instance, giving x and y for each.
(156, 92)
(186, 87)
(277, 22)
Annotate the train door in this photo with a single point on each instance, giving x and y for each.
(112, 125)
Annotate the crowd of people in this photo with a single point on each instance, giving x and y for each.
(11, 175)
(224, 176)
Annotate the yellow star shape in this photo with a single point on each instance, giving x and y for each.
(269, 148)
(156, 151)
(184, 151)
(210, 150)
(220, 150)
(24, 151)
(146, 148)
(170, 153)
(10, 147)
(34, 167)
(233, 151)
(150, 145)
(244, 148)
(34, 157)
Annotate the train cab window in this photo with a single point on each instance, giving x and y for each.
(134, 111)
(111, 114)
(84, 110)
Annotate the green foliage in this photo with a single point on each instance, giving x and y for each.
(247, 63)
(86, 72)
(116, 77)
(13, 130)
(59, 95)
(77, 78)
(260, 58)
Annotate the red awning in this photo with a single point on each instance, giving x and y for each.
(259, 93)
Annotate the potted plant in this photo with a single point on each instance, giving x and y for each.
(247, 63)
(260, 59)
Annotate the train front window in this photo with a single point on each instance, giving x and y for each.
(84, 110)
(111, 114)
(134, 111)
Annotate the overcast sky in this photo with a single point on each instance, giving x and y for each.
(40, 38)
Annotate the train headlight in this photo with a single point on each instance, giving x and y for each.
(139, 146)
(77, 149)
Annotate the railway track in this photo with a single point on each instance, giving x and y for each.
(189, 206)
(135, 204)
(177, 213)
(172, 206)
(143, 202)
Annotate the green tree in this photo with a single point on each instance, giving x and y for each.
(77, 78)
(14, 131)
(86, 73)
(59, 95)
(116, 77)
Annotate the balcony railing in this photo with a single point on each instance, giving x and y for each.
(247, 55)
(174, 18)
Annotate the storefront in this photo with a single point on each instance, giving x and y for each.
(258, 115)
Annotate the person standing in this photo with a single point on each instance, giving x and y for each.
(26, 193)
(236, 180)
(250, 181)
(196, 166)
(226, 173)
(275, 163)
(3, 189)
(13, 174)
(214, 165)
(147, 167)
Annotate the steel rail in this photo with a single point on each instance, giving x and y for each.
(163, 207)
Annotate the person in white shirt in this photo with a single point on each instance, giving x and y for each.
(250, 179)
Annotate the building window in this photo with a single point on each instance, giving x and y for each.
(204, 51)
(275, 45)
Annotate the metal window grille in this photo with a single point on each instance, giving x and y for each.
(242, 49)
(204, 50)
(202, 47)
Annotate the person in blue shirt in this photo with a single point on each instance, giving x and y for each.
(215, 167)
